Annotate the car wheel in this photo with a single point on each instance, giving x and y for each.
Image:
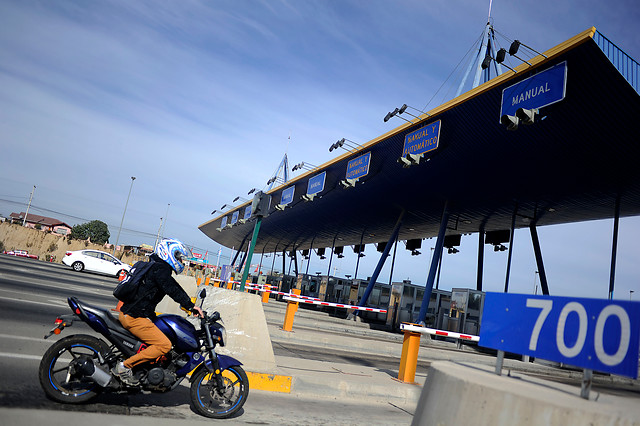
(77, 266)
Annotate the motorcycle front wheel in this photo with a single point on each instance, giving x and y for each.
(208, 401)
(58, 376)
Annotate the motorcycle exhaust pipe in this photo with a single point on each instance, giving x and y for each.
(89, 369)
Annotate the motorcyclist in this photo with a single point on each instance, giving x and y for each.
(137, 316)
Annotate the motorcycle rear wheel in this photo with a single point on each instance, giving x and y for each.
(208, 402)
(56, 369)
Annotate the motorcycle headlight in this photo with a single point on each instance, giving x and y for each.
(219, 333)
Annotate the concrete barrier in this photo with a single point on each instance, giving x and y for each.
(246, 325)
(168, 306)
(456, 394)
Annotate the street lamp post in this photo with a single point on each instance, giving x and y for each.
(123, 213)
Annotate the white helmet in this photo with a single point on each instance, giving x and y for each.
(173, 251)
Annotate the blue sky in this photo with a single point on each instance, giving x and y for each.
(197, 100)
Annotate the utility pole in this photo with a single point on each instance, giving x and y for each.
(165, 221)
(123, 213)
(24, 221)
(155, 245)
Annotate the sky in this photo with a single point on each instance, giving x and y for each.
(200, 100)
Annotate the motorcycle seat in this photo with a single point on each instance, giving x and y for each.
(104, 314)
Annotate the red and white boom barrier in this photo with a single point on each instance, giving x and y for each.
(337, 305)
(426, 330)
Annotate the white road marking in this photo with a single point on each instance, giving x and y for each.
(21, 356)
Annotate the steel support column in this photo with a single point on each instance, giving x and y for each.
(614, 248)
(480, 260)
(435, 260)
(238, 252)
(355, 275)
(383, 258)
(513, 226)
(333, 246)
(539, 262)
(252, 245)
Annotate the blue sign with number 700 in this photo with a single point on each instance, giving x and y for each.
(600, 335)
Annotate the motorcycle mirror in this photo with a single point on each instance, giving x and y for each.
(202, 294)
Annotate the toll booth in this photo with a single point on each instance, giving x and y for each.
(410, 302)
(465, 311)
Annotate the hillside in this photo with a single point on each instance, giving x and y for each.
(45, 245)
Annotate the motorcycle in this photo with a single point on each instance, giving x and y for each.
(77, 368)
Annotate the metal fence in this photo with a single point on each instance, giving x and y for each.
(625, 64)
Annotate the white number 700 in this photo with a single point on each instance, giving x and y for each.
(570, 352)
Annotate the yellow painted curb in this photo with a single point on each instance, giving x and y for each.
(269, 382)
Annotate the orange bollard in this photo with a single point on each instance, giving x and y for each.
(230, 285)
(409, 358)
(216, 283)
(265, 297)
(289, 314)
(206, 282)
(198, 281)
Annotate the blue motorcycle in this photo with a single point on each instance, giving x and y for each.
(77, 368)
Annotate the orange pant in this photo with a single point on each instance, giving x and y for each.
(145, 330)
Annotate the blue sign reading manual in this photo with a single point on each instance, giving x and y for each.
(545, 88)
(234, 217)
(247, 212)
(316, 183)
(596, 334)
(423, 140)
(287, 195)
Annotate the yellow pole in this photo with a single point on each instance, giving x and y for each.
(409, 359)
(289, 314)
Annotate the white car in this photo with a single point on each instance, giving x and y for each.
(95, 261)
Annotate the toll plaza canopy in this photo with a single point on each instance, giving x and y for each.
(578, 161)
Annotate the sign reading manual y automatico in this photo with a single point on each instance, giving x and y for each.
(423, 140)
(545, 88)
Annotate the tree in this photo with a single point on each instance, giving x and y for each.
(96, 231)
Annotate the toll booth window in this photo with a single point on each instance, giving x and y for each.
(374, 300)
(474, 301)
(385, 296)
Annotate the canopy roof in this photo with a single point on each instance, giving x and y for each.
(569, 166)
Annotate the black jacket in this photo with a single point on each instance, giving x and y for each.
(157, 283)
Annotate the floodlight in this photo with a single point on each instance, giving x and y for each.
(348, 183)
(410, 159)
(510, 121)
(527, 116)
(486, 62)
(502, 53)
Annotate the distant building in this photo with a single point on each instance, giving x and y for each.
(41, 222)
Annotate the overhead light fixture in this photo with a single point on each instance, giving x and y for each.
(239, 198)
(214, 211)
(527, 116)
(280, 206)
(251, 191)
(348, 183)
(510, 121)
(308, 197)
(353, 146)
(499, 59)
(453, 250)
(415, 253)
(410, 160)
(303, 166)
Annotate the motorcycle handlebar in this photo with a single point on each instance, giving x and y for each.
(214, 317)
